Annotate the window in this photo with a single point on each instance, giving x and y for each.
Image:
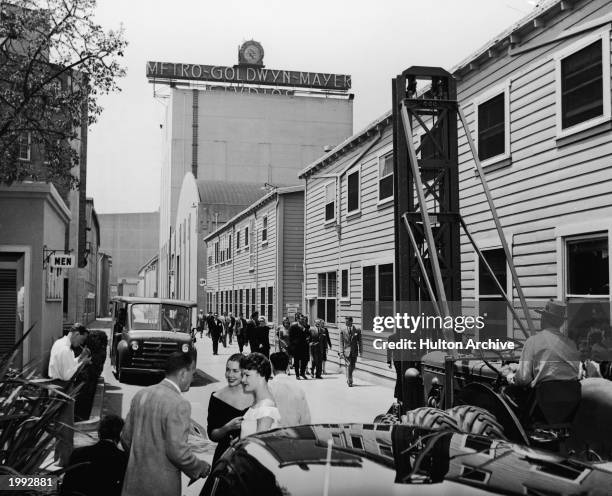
(491, 127)
(229, 247)
(352, 200)
(235, 303)
(24, 142)
(240, 308)
(587, 286)
(223, 251)
(262, 302)
(246, 236)
(326, 300)
(492, 304)
(237, 240)
(385, 176)
(377, 293)
(264, 230)
(253, 302)
(221, 305)
(210, 260)
(583, 83)
(345, 281)
(247, 295)
(216, 252)
(330, 201)
(270, 309)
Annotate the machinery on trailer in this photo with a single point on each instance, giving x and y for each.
(463, 391)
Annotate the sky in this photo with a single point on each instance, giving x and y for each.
(373, 41)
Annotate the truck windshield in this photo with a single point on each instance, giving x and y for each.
(165, 317)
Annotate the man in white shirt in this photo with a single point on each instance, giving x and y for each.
(289, 397)
(62, 363)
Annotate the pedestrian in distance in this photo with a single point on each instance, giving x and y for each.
(227, 407)
(156, 432)
(201, 323)
(251, 334)
(324, 342)
(316, 360)
(282, 340)
(263, 337)
(263, 415)
(98, 470)
(216, 330)
(225, 326)
(351, 347)
(241, 332)
(289, 397)
(298, 347)
(231, 326)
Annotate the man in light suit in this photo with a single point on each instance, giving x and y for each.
(350, 339)
(155, 434)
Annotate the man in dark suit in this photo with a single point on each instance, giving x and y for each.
(299, 333)
(216, 330)
(263, 337)
(156, 432)
(350, 340)
(98, 469)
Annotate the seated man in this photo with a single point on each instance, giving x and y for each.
(98, 469)
(550, 363)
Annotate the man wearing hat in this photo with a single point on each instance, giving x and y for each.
(550, 363)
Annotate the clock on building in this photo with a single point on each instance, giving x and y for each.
(251, 53)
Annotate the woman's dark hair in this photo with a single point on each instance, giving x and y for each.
(258, 362)
(236, 357)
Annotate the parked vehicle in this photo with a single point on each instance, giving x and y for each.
(366, 459)
(147, 330)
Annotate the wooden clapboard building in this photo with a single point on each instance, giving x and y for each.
(537, 100)
(254, 262)
(348, 250)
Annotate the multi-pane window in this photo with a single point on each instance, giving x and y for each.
(385, 176)
(270, 309)
(229, 247)
(326, 297)
(582, 89)
(210, 260)
(587, 285)
(344, 283)
(216, 252)
(221, 305)
(491, 302)
(246, 236)
(237, 240)
(492, 127)
(253, 302)
(24, 141)
(377, 293)
(262, 302)
(235, 302)
(240, 302)
(330, 201)
(352, 202)
(247, 293)
(264, 229)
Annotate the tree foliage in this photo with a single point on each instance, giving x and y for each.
(55, 62)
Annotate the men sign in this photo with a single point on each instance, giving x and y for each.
(62, 261)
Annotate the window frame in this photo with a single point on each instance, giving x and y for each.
(264, 230)
(376, 263)
(331, 220)
(355, 211)
(604, 36)
(247, 245)
(238, 247)
(386, 199)
(341, 297)
(29, 147)
(483, 98)
(326, 297)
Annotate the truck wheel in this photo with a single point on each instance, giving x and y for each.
(475, 420)
(386, 418)
(431, 418)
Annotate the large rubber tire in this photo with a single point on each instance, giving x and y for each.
(431, 418)
(475, 420)
(386, 418)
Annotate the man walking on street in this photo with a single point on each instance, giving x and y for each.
(156, 431)
(350, 340)
(298, 346)
(241, 324)
(201, 322)
(231, 325)
(216, 329)
(289, 397)
(316, 363)
(251, 334)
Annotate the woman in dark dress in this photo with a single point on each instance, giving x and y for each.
(226, 408)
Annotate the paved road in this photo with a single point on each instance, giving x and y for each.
(330, 400)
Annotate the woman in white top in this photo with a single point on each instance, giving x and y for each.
(263, 414)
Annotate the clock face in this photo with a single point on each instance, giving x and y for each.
(252, 53)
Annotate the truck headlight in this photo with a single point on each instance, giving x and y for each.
(185, 348)
(134, 345)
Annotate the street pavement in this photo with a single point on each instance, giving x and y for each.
(330, 399)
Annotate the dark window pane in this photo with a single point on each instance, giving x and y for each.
(491, 129)
(330, 211)
(587, 267)
(385, 282)
(321, 308)
(385, 187)
(581, 86)
(353, 192)
(270, 303)
(369, 297)
(331, 311)
(497, 261)
(345, 283)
